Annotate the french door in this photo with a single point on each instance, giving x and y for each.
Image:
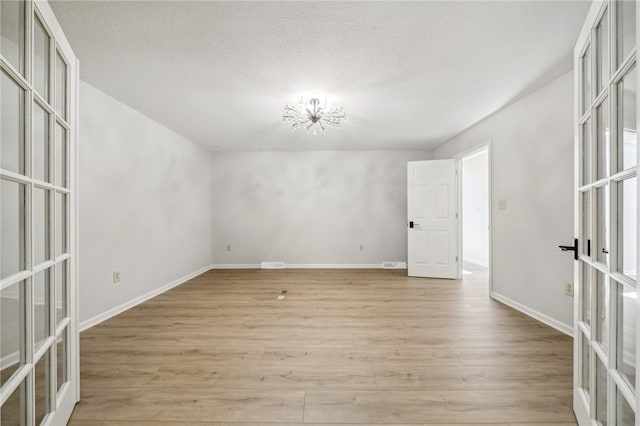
(38, 303)
(606, 203)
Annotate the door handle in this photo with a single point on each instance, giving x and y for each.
(605, 251)
(573, 248)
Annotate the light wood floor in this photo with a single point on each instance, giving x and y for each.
(343, 347)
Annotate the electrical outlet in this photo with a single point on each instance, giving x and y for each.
(568, 289)
(361, 247)
(116, 277)
(228, 247)
(502, 204)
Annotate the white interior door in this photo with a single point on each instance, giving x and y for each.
(39, 373)
(606, 320)
(432, 219)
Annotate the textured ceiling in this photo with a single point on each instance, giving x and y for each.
(409, 74)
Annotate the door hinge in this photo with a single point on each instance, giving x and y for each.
(456, 215)
(456, 258)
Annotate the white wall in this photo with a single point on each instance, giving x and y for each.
(145, 204)
(532, 169)
(475, 208)
(310, 207)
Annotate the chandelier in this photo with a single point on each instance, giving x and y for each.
(310, 115)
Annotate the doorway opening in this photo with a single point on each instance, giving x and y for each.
(475, 202)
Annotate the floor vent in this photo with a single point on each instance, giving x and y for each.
(272, 265)
(394, 265)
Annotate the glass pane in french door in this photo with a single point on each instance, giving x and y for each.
(40, 146)
(12, 321)
(585, 70)
(585, 152)
(585, 291)
(42, 378)
(41, 287)
(13, 411)
(624, 412)
(12, 33)
(627, 227)
(626, 29)
(41, 231)
(602, 139)
(602, 225)
(602, 314)
(585, 363)
(41, 43)
(62, 360)
(626, 340)
(12, 230)
(61, 223)
(602, 63)
(61, 291)
(61, 86)
(12, 150)
(61, 155)
(585, 222)
(627, 146)
(601, 392)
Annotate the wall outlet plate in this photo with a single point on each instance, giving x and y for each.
(502, 204)
(116, 277)
(568, 289)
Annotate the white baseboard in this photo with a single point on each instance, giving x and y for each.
(302, 266)
(334, 266)
(475, 262)
(551, 322)
(236, 266)
(86, 324)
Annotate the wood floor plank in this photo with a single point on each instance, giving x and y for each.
(344, 347)
(435, 406)
(190, 404)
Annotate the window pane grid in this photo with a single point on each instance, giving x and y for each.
(32, 178)
(607, 152)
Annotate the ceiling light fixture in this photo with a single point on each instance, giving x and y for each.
(310, 115)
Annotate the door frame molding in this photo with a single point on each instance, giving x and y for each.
(474, 149)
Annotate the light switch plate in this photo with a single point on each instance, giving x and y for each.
(502, 204)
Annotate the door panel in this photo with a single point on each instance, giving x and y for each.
(419, 239)
(432, 219)
(606, 216)
(39, 382)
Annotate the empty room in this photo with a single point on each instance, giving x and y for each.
(244, 213)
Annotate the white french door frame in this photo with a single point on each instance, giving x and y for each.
(585, 403)
(486, 145)
(69, 393)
